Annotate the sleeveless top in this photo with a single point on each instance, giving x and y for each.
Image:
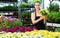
(40, 25)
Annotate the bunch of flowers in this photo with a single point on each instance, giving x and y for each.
(32, 34)
(44, 12)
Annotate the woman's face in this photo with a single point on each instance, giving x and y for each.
(37, 6)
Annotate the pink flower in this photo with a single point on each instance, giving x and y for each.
(6, 30)
(0, 29)
(11, 19)
(34, 27)
(22, 28)
(14, 29)
(10, 30)
(29, 29)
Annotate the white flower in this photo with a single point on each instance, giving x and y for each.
(37, 36)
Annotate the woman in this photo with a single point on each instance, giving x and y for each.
(37, 19)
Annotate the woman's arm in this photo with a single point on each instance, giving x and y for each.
(44, 20)
(33, 18)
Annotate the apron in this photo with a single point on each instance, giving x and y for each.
(40, 25)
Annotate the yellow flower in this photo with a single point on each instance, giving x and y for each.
(44, 12)
(27, 33)
(0, 19)
(1, 16)
(3, 24)
(19, 34)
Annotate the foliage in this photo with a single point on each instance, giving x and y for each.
(26, 18)
(26, 5)
(9, 22)
(53, 7)
(25, 1)
(54, 17)
(24, 14)
(9, 8)
(32, 1)
(17, 22)
(23, 5)
(31, 6)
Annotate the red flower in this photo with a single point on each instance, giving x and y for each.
(34, 27)
(0, 29)
(22, 28)
(29, 29)
(6, 30)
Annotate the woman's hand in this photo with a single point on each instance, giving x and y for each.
(33, 18)
(41, 18)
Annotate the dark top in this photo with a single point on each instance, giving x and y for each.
(40, 25)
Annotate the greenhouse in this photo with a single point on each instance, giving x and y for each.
(29, 18)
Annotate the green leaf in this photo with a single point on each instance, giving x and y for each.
(17, 22)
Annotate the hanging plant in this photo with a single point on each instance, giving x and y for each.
(23, 5)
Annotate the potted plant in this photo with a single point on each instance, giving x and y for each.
(24, 5)
(53, 17)
(9, 8)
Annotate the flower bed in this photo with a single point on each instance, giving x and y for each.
(32, 34)
(9, 24)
